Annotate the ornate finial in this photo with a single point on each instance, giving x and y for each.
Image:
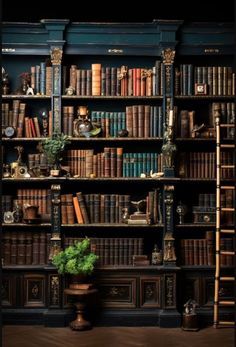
(146, 73)
(123, 72)
(168, 56)
(56, 56)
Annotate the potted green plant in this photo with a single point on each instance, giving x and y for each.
(77, 260)
(53, 147)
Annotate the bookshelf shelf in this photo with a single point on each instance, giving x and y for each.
(109, 97)
(113, 225)
(27, 97)
(204, 97)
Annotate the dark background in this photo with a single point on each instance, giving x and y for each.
(116, 10)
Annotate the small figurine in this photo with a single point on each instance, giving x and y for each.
(45, 123)
(156, 256)
(139, 205)
(5, 82)
(190, 307)
(20, 150)
(29, 91)
(190, 319)
(70, 91)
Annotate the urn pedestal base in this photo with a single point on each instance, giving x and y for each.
(81, 296)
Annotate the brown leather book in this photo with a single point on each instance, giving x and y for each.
(78, 212)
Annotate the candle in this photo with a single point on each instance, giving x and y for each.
(171, 118)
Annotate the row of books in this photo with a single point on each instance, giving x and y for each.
(41, 79)
(37, 159)
(111, 163)
(203, 165)
(187, 121)
(26, 248)
(115, 81)
(106, 208)
(202, 251)
(220, 80)
(227, 116)
(112, 251)
(207, 199)
(139, 120)
(25, 126)
(35, 197)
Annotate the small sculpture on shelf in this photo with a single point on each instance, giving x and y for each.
(139, 205)
(25, 81)
(169, 148)
(5, 82)
(6, 171)
(139, 216)
(20, 150)
(169, 249)
(168, 151)
(17, 212)
(45, 123)
(70, 91)
(156, 256)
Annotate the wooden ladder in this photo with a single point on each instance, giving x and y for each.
(220, 188)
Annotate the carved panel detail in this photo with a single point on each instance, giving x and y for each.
(34, 289)
(150, 292)
(118, 292)
(170, 296)
(56, 113)
(54, 291)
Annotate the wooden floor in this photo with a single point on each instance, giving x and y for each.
(39, 336)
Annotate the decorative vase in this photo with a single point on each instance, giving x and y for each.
(79, 282)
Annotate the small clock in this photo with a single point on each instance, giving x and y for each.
(9, 132)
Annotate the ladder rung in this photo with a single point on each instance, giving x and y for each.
(227, 187)
(227, 252)
(227, 302)
(227, 125)
(227, 278)
(222, 322)
(227, 145)
(227, 209)
(227, 231)
(227, 166)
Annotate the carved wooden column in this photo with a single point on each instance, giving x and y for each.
(56, 56)
(168, 148)
(169, 257)
(55, 245)
(56, 29)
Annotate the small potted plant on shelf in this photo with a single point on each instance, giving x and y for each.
(77, 260)
(53, 147)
